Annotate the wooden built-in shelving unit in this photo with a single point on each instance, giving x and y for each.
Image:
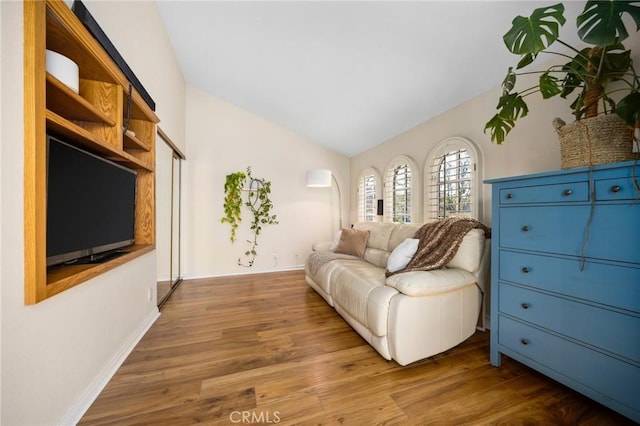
(92, 119)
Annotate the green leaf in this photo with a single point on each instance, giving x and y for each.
(512, 106)
(534, 34)
(549, 86)
(628, 109)
(526, 60)
(578, 65)
(509, 81)
(615, 65)
(571, 82)
(601, 21)
(499, 127)
(577, 106)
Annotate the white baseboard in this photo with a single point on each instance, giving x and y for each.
(77, 410)
(247, 272)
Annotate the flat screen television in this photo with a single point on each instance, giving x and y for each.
(90, 204)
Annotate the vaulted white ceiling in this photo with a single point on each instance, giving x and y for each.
(346, 75)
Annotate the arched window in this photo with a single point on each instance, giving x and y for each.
(451, 179)
(368, 194)
(400, 191)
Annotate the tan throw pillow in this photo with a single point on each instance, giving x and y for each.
(353, 242)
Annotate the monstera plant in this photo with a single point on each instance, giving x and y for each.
(243, 190)
(586, 74)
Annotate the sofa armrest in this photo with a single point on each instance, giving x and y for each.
(321, 246)
(426, 283)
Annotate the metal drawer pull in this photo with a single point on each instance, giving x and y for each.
(615, 188)
(525, 305)
(567, 192)
(526, 269)
(526, 228)
(524, 342)
(509, 196)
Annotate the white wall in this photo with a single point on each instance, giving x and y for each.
(55, 353)
(224, 139)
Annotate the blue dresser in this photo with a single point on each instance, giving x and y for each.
(565, 279)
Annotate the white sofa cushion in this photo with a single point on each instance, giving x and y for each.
(323, 277)
(378, 309)
(376, 257)
(379, 234)
(470, 251)
(425, 283)
(402, 254)
(401, 232)
(359, 289)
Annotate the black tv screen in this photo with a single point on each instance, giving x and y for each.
(90, 204)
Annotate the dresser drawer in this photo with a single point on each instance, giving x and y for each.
(605, 375)
(610, 330)
(562, 230)
(616, 189)
(612, 285)
(563, 192)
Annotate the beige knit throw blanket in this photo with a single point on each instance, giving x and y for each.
(318, 258)
(439, 242)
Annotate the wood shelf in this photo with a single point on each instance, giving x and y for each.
(130, 161)
(132, 142)
(92, 120)
(90, 142)
(60, 278)
(64, 100)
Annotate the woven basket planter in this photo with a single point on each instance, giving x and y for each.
(599, 140)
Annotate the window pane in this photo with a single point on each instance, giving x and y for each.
(367, 199)
(450, 184)
(401, 190)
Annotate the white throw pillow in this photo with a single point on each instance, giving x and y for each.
(402, 254)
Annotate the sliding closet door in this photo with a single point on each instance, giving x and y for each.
(175, 219)
(168, 196)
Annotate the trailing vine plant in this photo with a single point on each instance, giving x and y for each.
(257, 201)
(233, 186)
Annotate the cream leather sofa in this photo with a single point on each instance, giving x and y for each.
(413, 315)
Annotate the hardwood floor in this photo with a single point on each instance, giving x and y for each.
(267, 349)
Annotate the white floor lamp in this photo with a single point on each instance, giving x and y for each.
(321, 178)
